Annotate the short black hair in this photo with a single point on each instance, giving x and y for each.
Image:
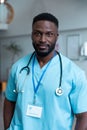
(46, 16)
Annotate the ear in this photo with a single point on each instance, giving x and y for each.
(57, 34)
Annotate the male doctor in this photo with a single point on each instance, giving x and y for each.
(45, 89)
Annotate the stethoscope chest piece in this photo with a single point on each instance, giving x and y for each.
(59, 91)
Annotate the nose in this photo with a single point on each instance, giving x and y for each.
(43, 38)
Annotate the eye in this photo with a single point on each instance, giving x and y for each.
(49, 34)
(37, 34)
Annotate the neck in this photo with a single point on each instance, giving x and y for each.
(43, 60)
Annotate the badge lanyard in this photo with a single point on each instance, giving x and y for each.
(36, 87)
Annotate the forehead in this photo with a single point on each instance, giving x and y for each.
(44, 24)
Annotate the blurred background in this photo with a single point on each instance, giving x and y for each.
(15, 32)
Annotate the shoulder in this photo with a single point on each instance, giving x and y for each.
(70, 68)
(20, 63)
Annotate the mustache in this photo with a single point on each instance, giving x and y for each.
(42, 44)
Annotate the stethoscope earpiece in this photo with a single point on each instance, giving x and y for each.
(17, 91)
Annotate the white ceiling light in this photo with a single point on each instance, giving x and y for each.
(2, 1)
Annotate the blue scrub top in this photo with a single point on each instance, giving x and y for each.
(57, 111)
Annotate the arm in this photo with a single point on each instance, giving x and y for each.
(81, 121)
(8, 112)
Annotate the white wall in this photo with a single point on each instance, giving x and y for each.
(72, 14)
(82, 61)
(25, 43)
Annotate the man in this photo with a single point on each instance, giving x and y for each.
(45, 90)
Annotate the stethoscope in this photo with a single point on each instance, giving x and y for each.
(58, 91)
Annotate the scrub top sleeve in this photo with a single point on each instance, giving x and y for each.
(10, 95)
(78, 96)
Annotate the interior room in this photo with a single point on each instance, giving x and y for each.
(15, 35)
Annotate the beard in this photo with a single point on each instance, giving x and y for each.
(43, 52)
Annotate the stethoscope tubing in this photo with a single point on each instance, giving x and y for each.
(27, 66)
(28, 71)
(60, 81)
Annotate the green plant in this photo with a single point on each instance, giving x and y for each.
(14, 49)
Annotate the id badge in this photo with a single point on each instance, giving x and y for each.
(34, 111)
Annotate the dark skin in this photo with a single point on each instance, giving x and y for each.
(81, 121)
(44, 37)
(8, 112)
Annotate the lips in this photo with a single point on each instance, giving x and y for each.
(42, 46)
